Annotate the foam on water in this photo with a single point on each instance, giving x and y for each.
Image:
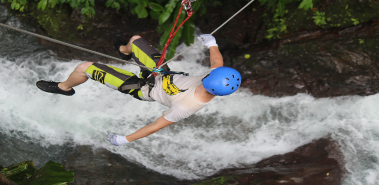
(231, 131)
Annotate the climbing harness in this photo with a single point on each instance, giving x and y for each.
(186, 4)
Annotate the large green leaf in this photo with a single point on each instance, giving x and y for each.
(156, 7)
(306, 4)
(163, 27)
(164, 16)
(170, 6)
(109, 3)
(172, 48)
(154, 14)
(196, 5)
(186, 32)
(281, 8)
(50, 174)
(166, 34)
(141, 11)
(164, 37)
(188, 35)
(42, 4)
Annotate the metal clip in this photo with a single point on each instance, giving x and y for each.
(157, 70)
(187, 6)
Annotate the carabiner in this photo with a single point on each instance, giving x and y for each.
(187, 6)
(157, 70)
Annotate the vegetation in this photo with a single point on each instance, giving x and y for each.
(217, 181)
(164, 11)
(298, 14)
(26, 173)
(282, 16)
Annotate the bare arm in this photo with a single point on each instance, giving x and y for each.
(215, 57)
(160, 123)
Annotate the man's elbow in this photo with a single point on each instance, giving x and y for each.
(155, 129)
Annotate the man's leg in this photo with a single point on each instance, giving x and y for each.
(143, 53)
(77, 77)
(127, 49)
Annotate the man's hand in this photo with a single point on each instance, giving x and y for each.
(117, 140)
(208, 40)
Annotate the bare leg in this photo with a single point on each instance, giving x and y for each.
(127, 49)
(77, 77)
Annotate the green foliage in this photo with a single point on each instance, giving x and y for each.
(51, 173)
(278, 8)
(80, 27)
(19, 173)
(164, 11)
(278, 26)
(319, 18)
(25, 173)
(17, 4)
(306, 4)
(166, 22)
(217, 181)
(355, 21)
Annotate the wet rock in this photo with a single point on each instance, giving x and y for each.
(5, 181)
(319, 162)
(102, 167)
(317, 64)
(321, 61)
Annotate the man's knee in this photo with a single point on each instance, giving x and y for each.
(135, 37)
(83, 66)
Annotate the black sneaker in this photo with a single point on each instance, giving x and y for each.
(52, 87)
(117, 42)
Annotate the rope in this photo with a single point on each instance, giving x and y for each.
(73, 46)
(118, 59)
(211, 34)
(172, 35)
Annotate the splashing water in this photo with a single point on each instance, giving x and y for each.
(238, 129)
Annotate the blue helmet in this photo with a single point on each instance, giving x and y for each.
(222, 81)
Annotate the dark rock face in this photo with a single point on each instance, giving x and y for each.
(102, 167)
(322, 63)
(4, 180)
(313, 164)
(319, 162)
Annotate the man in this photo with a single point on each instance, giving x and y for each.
(184, 95)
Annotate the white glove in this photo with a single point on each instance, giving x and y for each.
(117, 140)
(208, 40)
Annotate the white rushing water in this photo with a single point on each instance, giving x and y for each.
(231, 131)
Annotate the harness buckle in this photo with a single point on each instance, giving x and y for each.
(157, 70)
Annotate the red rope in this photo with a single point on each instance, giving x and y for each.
(171, 36)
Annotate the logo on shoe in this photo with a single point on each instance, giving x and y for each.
(98, 76)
